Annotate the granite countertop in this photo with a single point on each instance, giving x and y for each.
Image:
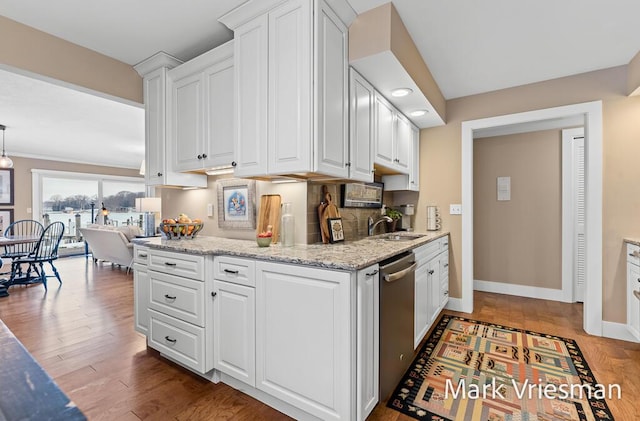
(28, 393)
(348, 255)
(635, 241)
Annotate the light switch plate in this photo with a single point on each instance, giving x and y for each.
(209, 209)
(455, 209)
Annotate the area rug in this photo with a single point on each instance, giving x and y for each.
(477, 371)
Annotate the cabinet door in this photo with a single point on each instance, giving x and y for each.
(331, 75)
(218, 147)
(290, 87)
(633, 303)
(368, 342)
(187, 122)
(303, 332)
(422, 305)
(234, 330)
(141, 298)
(361, 95)
(250, 87)
(414, 170)
(384, 132)
(403, 143)
(155, 102)
(433, 281)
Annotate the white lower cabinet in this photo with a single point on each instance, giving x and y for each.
(234, 330)
(304, 338)
(141, 298)
(633, 290)
(431, 285)
(368, 341)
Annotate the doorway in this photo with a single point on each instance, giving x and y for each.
(590, 116)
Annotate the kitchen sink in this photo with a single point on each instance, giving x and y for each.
(400, 237)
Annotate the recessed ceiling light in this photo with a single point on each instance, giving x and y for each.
(401, 92)
(418, 113)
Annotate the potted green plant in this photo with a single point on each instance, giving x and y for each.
(394, 215)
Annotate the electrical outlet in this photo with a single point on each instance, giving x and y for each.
(29, 210)
(209, 209)
(455, 209)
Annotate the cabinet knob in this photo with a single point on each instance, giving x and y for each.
(446, 265)
(413, 182)
(431, 272)
(204, 156)
(159, 174)
(213, 294)
(234, 163)
(348, 164)
(169, 339)
(199, 156)
(373, 170)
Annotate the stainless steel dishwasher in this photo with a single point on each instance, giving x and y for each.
(397, 286)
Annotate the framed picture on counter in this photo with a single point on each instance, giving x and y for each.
(236, 208)
(336, 231)
(6, 187)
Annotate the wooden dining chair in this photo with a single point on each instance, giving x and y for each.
(26, 228)
(45, 251)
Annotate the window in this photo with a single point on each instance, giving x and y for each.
(68, 197)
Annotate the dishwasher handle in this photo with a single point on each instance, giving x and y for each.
(392, 277)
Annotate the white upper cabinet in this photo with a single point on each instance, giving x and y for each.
(202, 111)
(404, 142)
(384, 132)
(159, 170)
(411, 180)
(291, 87)
(361, 98)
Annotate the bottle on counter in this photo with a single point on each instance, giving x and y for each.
(287, 226)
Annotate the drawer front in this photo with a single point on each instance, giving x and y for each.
(181, 341)
(178, 297)
(444, 291)
(179, 264)
(234, 270)
(141, 255)
(633, 254)
(427, 252)
(444, 242)
(444, 264)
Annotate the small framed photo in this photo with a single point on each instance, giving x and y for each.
(6, 219)
(236, 209)
(336, 232)
(6, 187)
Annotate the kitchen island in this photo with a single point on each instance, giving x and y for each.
(295, 327)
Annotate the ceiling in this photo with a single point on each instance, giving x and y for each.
(470, 47)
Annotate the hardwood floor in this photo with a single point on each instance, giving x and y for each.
(82, 334)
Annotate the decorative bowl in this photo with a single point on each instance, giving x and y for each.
(263, 241)
(179, 231)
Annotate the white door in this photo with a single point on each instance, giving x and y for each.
(186, 121)
(574, 216)
(361, 118)
(219, 106)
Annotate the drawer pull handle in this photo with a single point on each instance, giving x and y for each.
(637, 294)
(233, 272)
(374, 273)
(445, 244)
(169, 297)
(168, 339)
(446, 293)
(446, 265)
(170, 264)
(143, 255)
(431, 272)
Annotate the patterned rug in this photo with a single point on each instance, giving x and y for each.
(476, 371)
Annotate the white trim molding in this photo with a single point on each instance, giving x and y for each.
(591, 113)
(520, 290)
(617, 331)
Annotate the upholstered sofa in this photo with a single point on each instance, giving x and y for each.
(112, 244)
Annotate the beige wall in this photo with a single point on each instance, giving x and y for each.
(440, 159)
(28, 49)
(518, 241)
(633, 79)
(22, 179)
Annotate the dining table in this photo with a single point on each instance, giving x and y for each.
(10, 240)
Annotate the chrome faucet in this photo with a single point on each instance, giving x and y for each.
(372, 225)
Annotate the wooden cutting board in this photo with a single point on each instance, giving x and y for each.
(326, 210)
(269, 214)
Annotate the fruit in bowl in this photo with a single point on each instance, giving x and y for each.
(264, 238)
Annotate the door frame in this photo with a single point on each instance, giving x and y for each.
(591, 112)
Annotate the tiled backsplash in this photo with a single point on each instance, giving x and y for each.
(354, 220)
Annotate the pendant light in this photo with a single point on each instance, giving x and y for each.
(5, 161)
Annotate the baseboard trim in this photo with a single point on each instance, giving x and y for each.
(455, 304)
(617, 331)
(519, 290)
